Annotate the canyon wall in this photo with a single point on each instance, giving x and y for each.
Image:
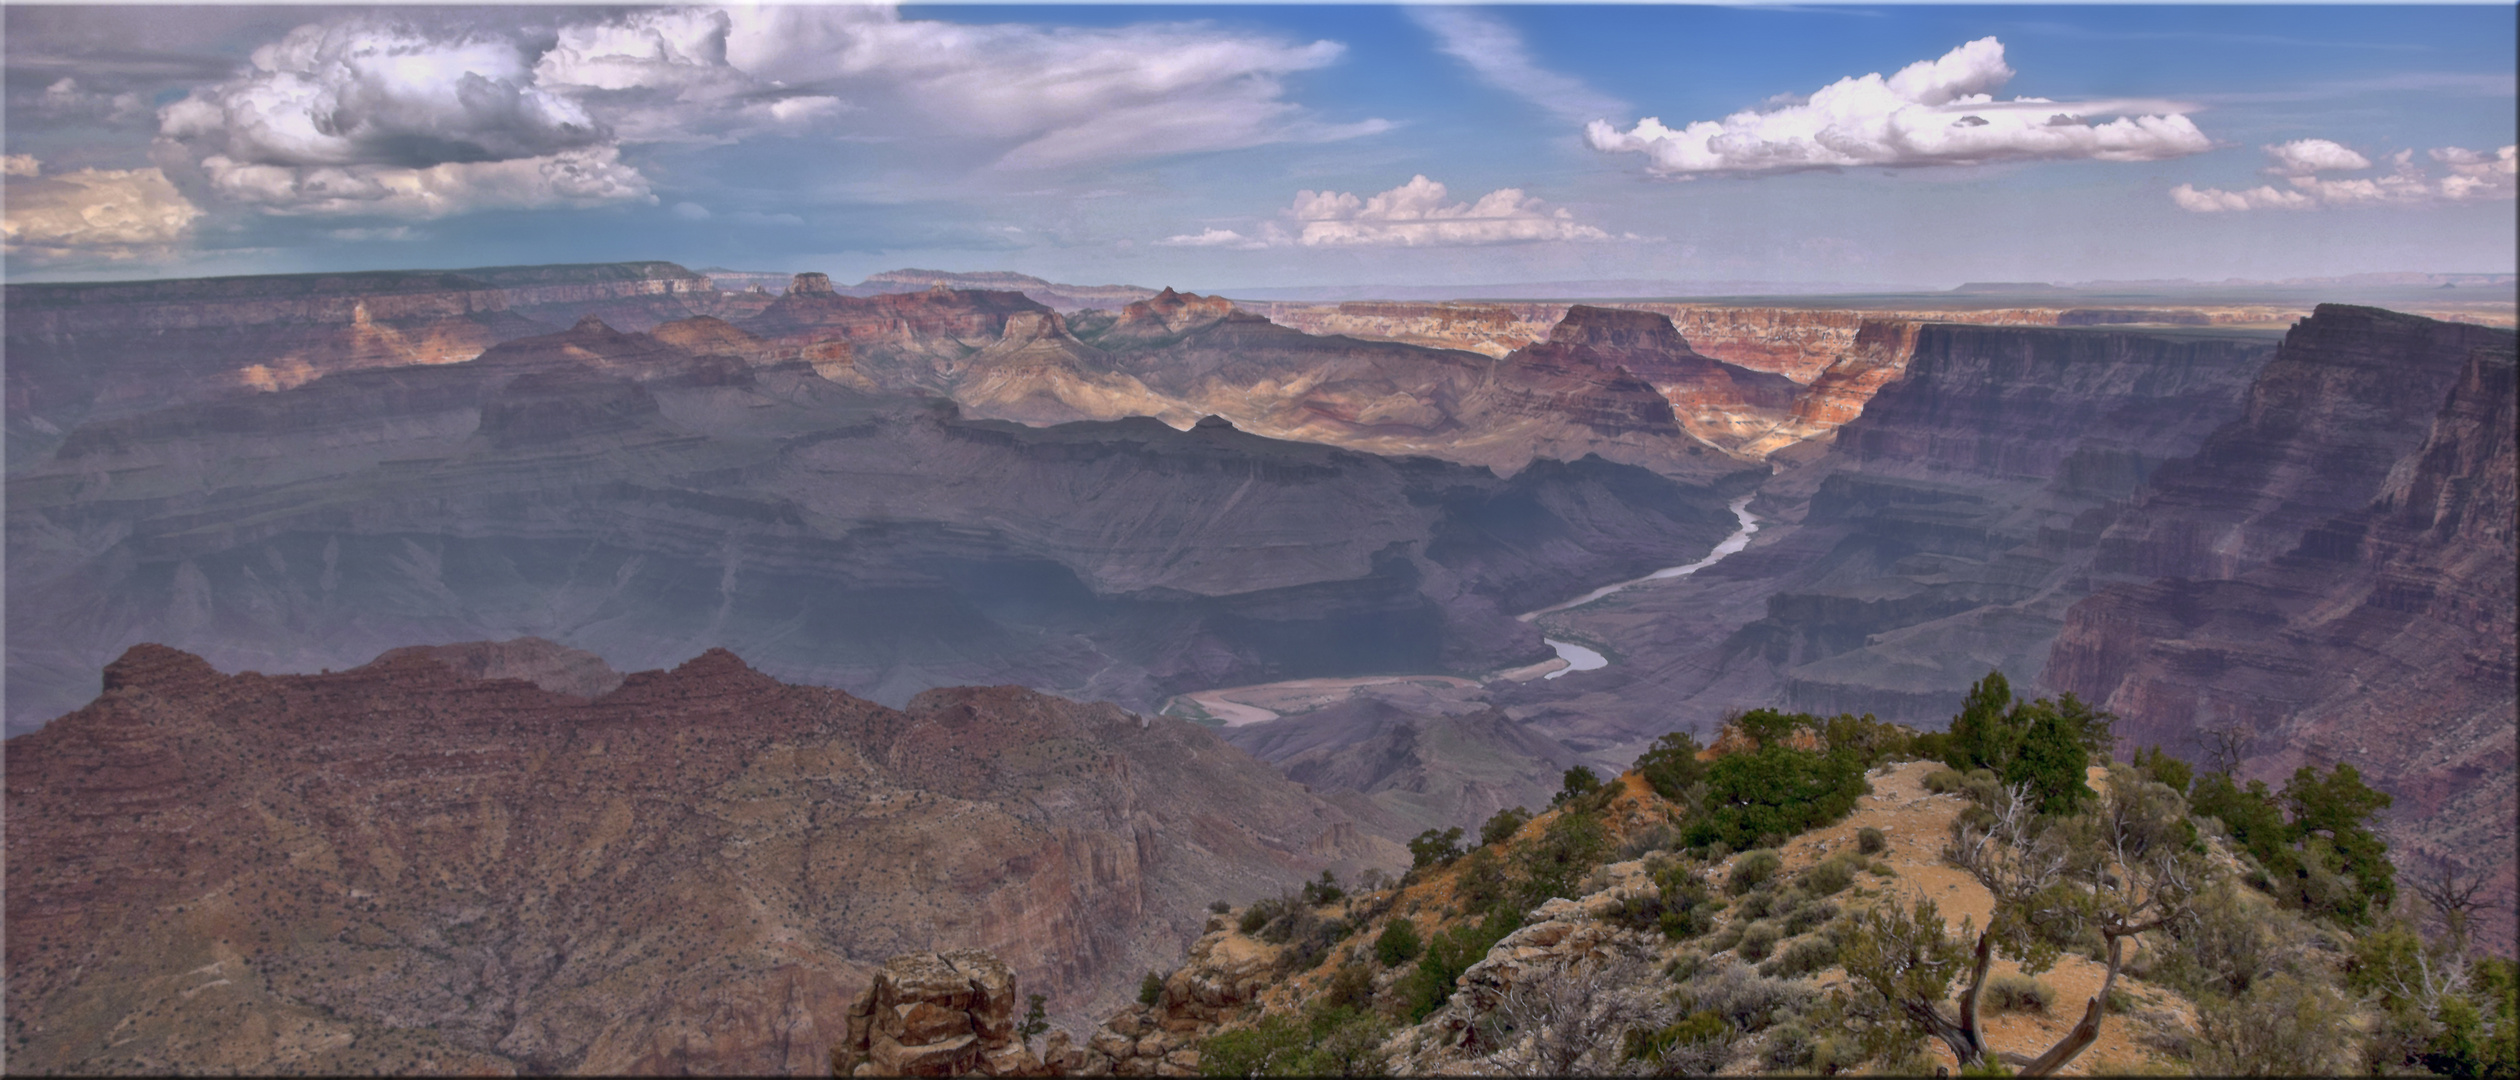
(400, 869)
(1942, 534)
(2332, 578)
(629, 496)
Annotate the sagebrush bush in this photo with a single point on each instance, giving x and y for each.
(1943, 781)
(1809, 915)
(2019, 993)
(1757, 940)
(1871, 841)
(1801, 957)
(1752, 870)
(1830, 876)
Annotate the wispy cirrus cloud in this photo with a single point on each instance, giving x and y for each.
(1932, 112)
(1497, 53)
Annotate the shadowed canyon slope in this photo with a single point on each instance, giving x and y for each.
(401, 868)
(629, 496)
(1944, 533)
(2334, 577)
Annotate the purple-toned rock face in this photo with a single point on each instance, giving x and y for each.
(2335, 580)
(402, 867)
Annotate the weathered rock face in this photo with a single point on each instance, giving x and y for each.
(618, 494)
(2380, 636)
(2351, 393)
(1943, 534)
(401, 868)
(79, 353)
(937, 1014)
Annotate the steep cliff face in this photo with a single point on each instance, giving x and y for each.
(1942, 534)
(79, 353)
(2351, 393)
(400, 868)
(2381, 636)
(621, 495)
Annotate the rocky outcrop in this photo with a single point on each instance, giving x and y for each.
(2380, 636)
(937, 1014)
(623, 495)
(403, 868)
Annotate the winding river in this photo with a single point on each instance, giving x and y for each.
(1250, 704)
(1579, 658)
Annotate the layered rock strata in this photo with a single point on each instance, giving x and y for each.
(85, 352)
(401, 868)
(642, 500)
(1943, 534)
(2380, 635)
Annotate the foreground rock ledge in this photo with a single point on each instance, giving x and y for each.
(937, 1014)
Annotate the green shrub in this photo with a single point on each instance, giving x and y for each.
(1428, 985)
(1752, 870)
(1219, 907)
(1757, 940)
(1671, 765)
(1502, 826)
(1695, 1045)
(2018, 993)
(1830, 876)
(1775, 792)
(1578, 782)
(1399, 943)
(1150, 989)
(1757, 904)
(1324, 891)
(1480, 883)
(1434, 848)
(1569, 848)
(1871, 841)
(1351, 986)
(1679, 905)
(1943, 781)
(1809, 915)
(1801, 957)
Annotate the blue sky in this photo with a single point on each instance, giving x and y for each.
(1217, 147)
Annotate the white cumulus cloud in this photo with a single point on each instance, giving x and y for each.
(1416, 215)
(2468, 175)
(381, 114)
(1932, 112)
(2301, 157)
(112, 214)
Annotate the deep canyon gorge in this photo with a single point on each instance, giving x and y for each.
(322, 588)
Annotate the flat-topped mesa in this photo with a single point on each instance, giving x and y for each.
(811, 283)
(1619, 329)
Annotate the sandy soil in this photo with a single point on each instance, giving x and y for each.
(1917, 824)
